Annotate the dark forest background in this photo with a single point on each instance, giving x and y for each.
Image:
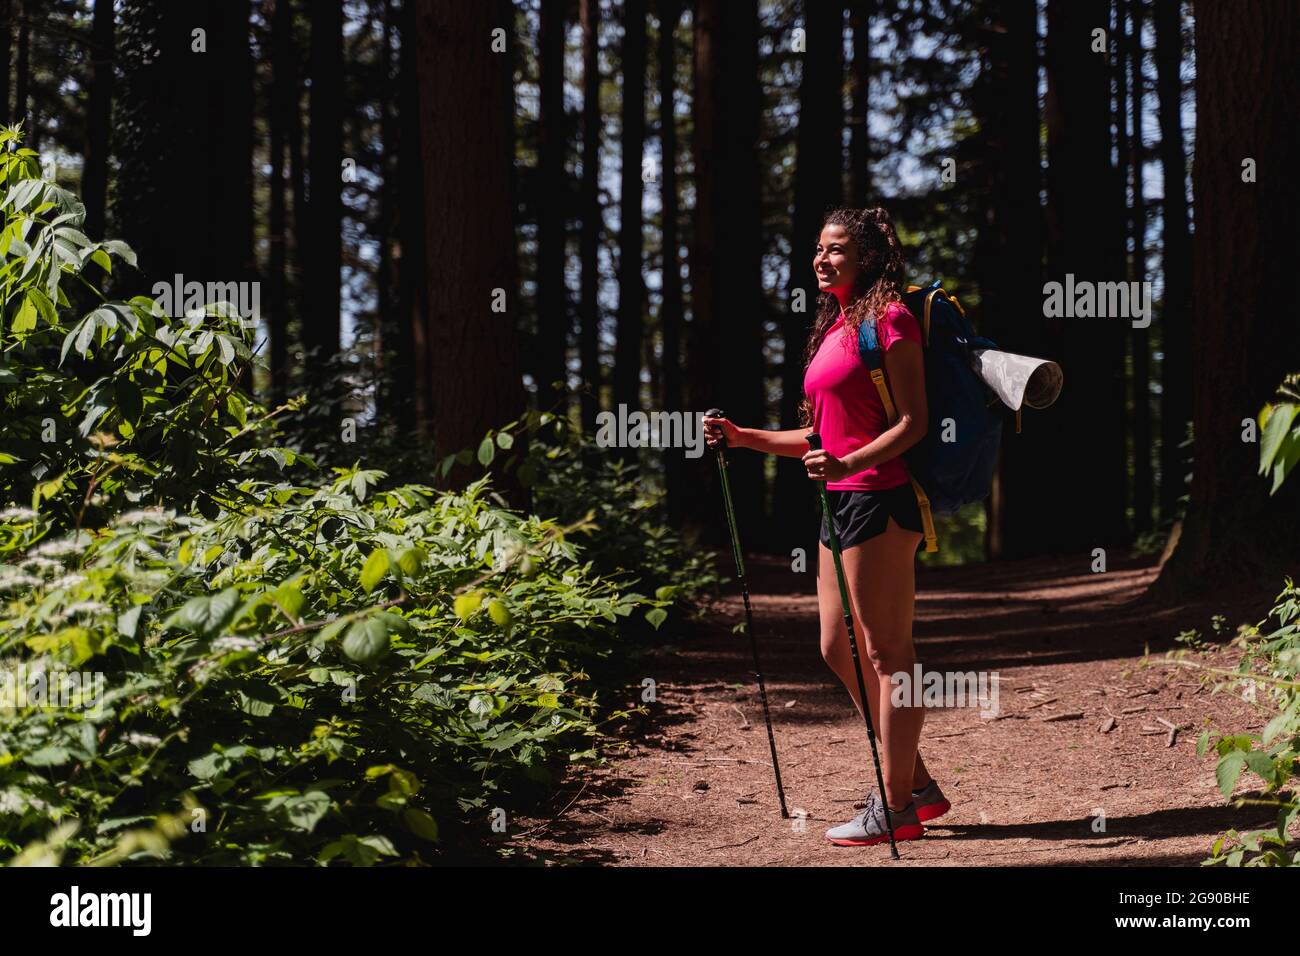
(456, 210)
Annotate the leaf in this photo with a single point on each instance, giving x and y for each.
(375, 568)
(206, 615)
(656, 616)
(1286, 460)
(209, 766)
(290, 600)
(486, 452)
(421, 823)
(128, 621)
(1228, 770)
(1260, 764)
(306, 810)
(48, 757)
(1275, 426)
(505, 440)
(25, 319)
(367, 640)
(466, 604)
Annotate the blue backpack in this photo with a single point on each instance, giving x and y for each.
(953, 464)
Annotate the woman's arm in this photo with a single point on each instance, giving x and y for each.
(790, 444)
(905, 366)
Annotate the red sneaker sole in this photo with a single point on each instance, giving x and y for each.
(910, 832)
(933, 811)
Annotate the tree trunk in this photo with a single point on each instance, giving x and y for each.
(470, 264)
(413, 301)
(6, 65)
(726, 298)
(1143, 445)
(1085, 240)
(858, 191)
(817, 188)
(283, 86)
(1009, 261)
(94, 179)
(592, 219)
(230, 168)
(23, 79)
(1176, 264)
(552, 142)
(631, 277)
(1245, 332)
(671, 315)
(320, 332)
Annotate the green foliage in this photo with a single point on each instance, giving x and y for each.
(108, 404)
(305, 678)
(1269, 668)
(1279, 429)
(213, 652)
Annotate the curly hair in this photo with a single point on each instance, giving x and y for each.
(879, 281)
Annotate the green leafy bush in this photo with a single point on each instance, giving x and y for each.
(1279, 426)
(108, 403)
(1270, 667)
(211, 651)
(328, 674)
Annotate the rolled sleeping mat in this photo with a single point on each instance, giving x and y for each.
(1019, 379)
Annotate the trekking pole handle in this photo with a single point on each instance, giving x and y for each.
(814, 440)
(718, 413)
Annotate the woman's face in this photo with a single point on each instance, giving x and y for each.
(836, 259)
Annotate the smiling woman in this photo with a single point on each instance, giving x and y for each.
(859, 267)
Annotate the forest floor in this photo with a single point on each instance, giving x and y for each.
(1042, 784)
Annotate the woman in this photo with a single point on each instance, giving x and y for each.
(859, 267)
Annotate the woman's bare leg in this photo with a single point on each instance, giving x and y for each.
(880, 574)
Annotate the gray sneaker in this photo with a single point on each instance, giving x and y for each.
(930, 803)
(868, 828)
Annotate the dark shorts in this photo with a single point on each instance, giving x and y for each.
(861, 515)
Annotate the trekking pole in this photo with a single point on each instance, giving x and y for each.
(815, 442)
(749, 617)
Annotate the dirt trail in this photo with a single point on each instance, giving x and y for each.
(695, 785)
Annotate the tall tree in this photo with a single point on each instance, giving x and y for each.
(552, 143)
(94, 179)
(817, 188)
(1175, 261)
(858, 186)
(726, 298)
(631, 244)
(672, 311)
(284, 84)
(1143, 447)
(412, 287)
(1008, 255)
(1084, 240)
(230, 180)
(321, 326)
(6, 42)
(23, 80)
(464, 101)
(1245, 194)
(592, 216)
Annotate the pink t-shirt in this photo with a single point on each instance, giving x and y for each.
(847, 411)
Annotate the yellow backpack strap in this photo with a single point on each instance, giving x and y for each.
(927, 519)
(922, 499)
